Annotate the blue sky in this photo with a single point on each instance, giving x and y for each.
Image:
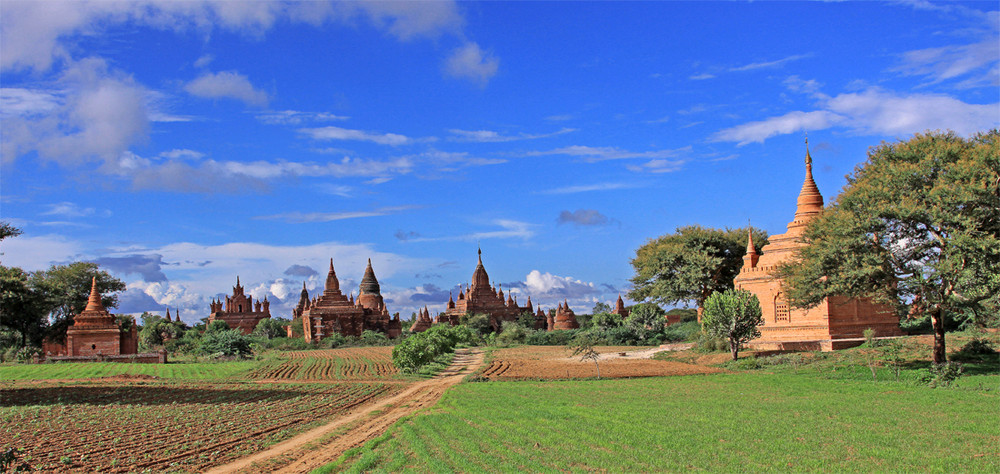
(180, 144)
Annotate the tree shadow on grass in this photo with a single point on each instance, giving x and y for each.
(131, 394)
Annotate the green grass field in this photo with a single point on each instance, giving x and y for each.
(173, 370)
(753, 421)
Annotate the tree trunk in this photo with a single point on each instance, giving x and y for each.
(735, 347)
(598, 370)
(700, 310)
(937, 322)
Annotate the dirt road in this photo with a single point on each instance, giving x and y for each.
(323, 445)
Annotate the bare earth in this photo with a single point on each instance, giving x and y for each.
(556, 362)
(323, 445)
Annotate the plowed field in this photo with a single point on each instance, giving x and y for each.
(165, 426)
(356, 363)
(555, 362)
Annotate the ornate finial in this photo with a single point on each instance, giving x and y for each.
(809, 159)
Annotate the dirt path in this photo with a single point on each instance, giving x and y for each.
(310, 450)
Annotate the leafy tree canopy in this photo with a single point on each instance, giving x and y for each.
(734, 315)
(918, 223)
(690, 264)
(66, 288)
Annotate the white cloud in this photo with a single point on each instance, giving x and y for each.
(769, 64)
(226, 85)
(300, 217)
(69, 209)
(470, 62)
(950, 62)
(18, 102)
(337, 133)
(657, 166)
(702, 77)
(591, 187)
(38, 252)
(789, 123)
(509, 229)
(33, 34)
(873, 112)
(489, 136)
(595, 154)
(102, 114)
(295, 117)
(546, 288)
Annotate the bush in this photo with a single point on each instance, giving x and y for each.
(479, 323)
(512, 333)
(686, 331)
(374, 338)
(422, 348)
(289, 344)
(269, 328)
(230, 342)
(606, 320)
(709, 343)
(216, 326)
(560, 337)
(942, 375)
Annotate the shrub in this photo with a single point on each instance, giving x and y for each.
(686, 331)
(479, 323)
(422, 348)
(289, 344)
(230, 342)
(269, 328)
(942, 375)
(512, 333)
(606, 320)
(374, 338)
(216, 326)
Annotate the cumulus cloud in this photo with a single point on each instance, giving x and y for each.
(548, 287)
(300, 271)
(873, 111)
(100, 114)
(337, 133)
(34, 34)
(471, 62)
(38, 252)
(588, 217)
(226, 85)
(149, 266)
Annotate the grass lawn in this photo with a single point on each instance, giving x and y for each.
(751, 421)
(86, 370)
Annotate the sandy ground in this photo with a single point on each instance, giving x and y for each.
(556, 362)
(322, 445)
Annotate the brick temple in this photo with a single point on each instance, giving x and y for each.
(333, 311)
(479, 297)
(835, 323)
(239, 310)
(96, 333)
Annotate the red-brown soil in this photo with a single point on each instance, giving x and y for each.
(318, 447)
(355, 363)
(556, 362)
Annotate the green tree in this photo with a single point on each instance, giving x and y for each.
(7, 230)
(228, 342)
(66, 288)
(605, 320)
(917, 225)
(21, 306)
(583, 345)
(646, 320)
(216, 326)
(734, 315)
(690, 264)
(270, 328)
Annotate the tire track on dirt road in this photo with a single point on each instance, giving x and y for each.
(306, 458)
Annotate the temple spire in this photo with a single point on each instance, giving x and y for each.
(751, 257)
(332, 284)
(94, 301)
(810, 202)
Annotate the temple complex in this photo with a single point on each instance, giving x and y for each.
(95, 332)
(482, 298)
(565, 318)
(620, 308)
(423, 321)
(334, 312)
(835, 323)
(240, 311)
